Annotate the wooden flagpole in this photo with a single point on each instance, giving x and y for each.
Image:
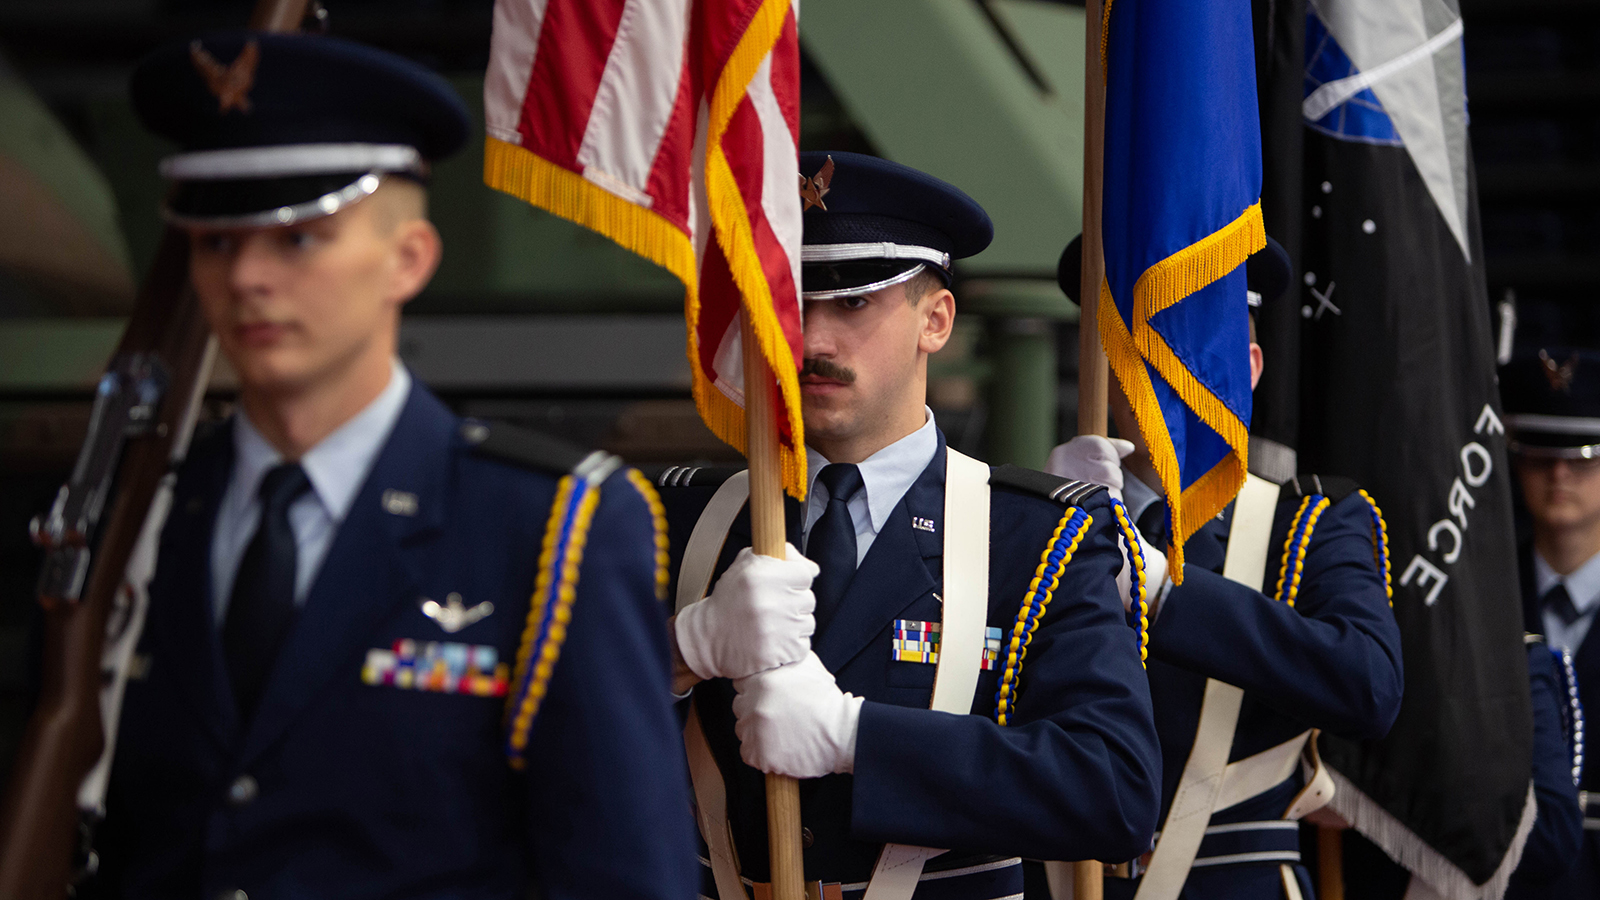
(1330, 861)
(1093, 375)
(767, 538)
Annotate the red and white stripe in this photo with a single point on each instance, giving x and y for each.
(620, 93)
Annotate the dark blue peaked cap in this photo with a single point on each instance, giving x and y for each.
(274, 128)
(879, 222)
(1552, 401)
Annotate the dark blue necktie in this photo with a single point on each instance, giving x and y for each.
(1558, 601)
(832, 544)
(261, 608)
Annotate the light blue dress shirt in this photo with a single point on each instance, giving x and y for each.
(1584, 587)
(885, 477)
(336, 467)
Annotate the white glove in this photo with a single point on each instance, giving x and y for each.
(757, 617)
(1155, 574)
(795, 721)
(1092, 458)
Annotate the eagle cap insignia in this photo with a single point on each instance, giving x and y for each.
(813, 189)
(1559, 374)
(453, 615)
(230, 84)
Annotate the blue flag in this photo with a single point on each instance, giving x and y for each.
(1181, 213)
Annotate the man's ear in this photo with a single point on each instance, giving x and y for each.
(1258, 362)
(417, 251)
(938, 311)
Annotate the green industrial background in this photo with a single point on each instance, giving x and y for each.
(985, 95)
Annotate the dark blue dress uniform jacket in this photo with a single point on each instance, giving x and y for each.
(361, 790)
(1074, 776)
(1331, 662)
(1553, 846)
(1544, 873)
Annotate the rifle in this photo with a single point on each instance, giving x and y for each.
(109, 512)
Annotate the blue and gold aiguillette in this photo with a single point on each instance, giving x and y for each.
(439, 667)
(919, 642)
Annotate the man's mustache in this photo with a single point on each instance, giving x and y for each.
(828, 369)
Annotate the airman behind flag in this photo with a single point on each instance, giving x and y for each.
(1181, 212)
(660, 123)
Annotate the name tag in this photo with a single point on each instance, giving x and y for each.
(918, 642)
(439, 667)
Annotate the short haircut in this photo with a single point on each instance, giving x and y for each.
(921, 285)
(398, 200)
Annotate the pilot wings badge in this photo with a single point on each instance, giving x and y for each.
(453, 615)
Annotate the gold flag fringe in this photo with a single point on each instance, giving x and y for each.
(529, 177)
(1198, 264)
(731, 223)
(1159, 287)
(1134, 378)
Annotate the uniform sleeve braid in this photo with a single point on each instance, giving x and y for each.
(1380, 545)
(1139, 612)
(1296, 545)
(658, 517)
(550, 609)
(1069, 532)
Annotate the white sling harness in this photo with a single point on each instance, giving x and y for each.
(966, 606)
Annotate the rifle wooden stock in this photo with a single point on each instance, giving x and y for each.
(39, 820)
(278, 15)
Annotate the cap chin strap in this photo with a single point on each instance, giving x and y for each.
(239, 163)
(326, 205)
(858, 291)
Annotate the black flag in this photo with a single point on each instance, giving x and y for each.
(1396, 381)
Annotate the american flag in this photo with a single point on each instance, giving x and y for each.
(672, 127)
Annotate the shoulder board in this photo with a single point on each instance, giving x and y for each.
(691, 476)
(1054, 488)
(1334, 487)
(525, 448)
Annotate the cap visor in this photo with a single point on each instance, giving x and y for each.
(256, 202)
